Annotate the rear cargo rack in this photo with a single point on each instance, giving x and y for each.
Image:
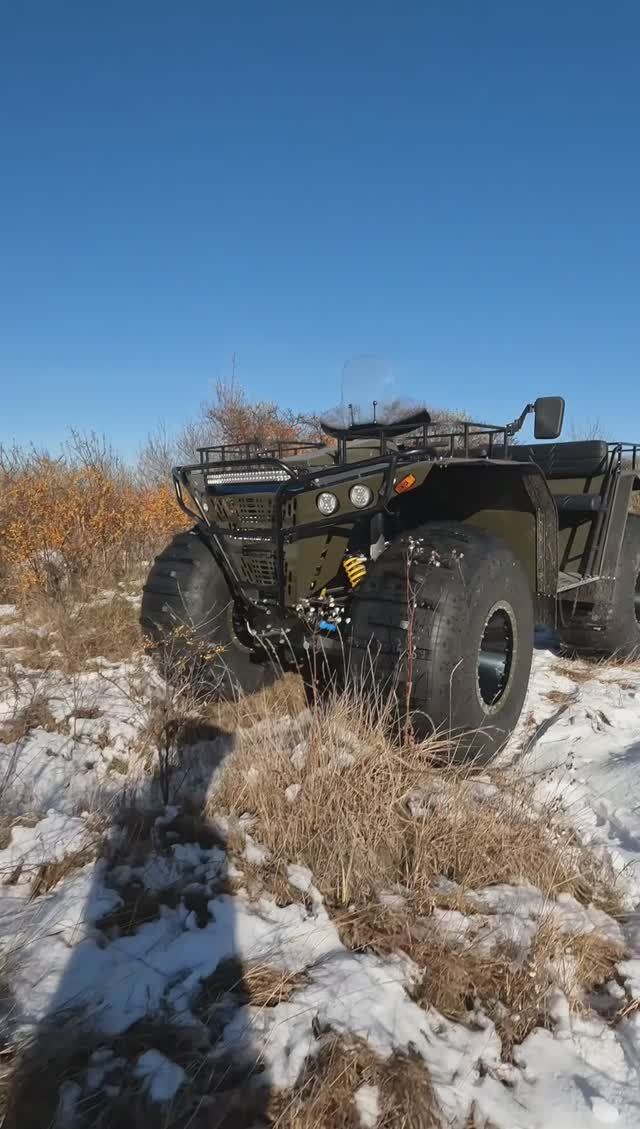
(625, 455)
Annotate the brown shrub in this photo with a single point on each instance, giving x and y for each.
(233, 418)
(60, 521)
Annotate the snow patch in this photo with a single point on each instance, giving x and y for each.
(367, 1102)
(162, 1077)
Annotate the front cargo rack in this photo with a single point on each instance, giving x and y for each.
(250, 451)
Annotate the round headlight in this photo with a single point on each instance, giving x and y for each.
(360, 496)
(327, 503)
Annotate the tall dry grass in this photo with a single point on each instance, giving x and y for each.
(366, 812)
(326, 1095)
(393, 833)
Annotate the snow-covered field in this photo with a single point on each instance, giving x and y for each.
(141, 934)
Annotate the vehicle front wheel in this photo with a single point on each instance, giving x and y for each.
(192, 620)
(445, 618)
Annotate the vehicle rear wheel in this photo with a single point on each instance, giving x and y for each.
(619, 634)
(189, 614)
(472, 633)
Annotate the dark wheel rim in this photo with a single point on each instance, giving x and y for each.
(495, 657)
(241, 635)
(636, 600)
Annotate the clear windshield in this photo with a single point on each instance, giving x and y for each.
(368, 393)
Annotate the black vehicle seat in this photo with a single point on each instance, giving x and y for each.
(585, 459)
(582, 459)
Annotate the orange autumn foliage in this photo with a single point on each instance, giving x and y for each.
(91, 520)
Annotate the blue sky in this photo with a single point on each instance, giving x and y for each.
(451, 185)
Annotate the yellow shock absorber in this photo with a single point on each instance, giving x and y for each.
(356, 569)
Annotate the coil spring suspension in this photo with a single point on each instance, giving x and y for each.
(356, 569)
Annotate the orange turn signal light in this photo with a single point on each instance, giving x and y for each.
(406, 483)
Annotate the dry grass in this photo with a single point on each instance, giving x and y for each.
(91, 627)
(220, 1092)
(9, 821)
(65, 634)
(270, 877)
(514, 992)
(45, 876)
(372, 815)
(35, 715)
(135, 839)
(189, 712)
(629, 1008)
(324, 1096)
(560, 697)
(140, 834)
(285, 698)
(511, 988)
(578, 670)
(267, 986)
(184, 725)
(593, 960)
(256, 983)
(585, 669)
(49, 874)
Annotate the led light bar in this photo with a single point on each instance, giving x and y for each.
(231, 477)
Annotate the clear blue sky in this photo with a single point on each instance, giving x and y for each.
(453, 185)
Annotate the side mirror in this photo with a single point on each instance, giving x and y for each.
(549, 416)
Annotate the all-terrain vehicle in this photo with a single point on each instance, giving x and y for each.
(417, 558)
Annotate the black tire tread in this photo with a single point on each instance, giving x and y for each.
(184, 585)
(441, 609)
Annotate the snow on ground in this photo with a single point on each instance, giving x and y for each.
(579, 739)
(587, 754)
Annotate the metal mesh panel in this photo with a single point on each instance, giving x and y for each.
(258, 567)
(251, 511)
(255, 510)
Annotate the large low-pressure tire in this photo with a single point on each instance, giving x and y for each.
(189, 613)
(472, 633)
(619, 635)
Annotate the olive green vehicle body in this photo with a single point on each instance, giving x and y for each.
(285, 562)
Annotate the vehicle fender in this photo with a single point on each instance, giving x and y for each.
(511, 500)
